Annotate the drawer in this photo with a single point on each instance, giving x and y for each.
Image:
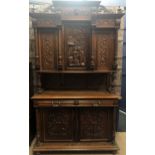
(75, 103)
(95, 102)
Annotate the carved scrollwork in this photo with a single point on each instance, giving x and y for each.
(55, 120)
(58, 124)
(102, 49)
(105, 50)
(105, 23)
(92, 124)
(48, 47)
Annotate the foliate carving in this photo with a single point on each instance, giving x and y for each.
(77, 45)
(45, 20)
(105, 50)
(46, 23)
(47, 53)
(105, 23)
(58, 124)
(48, 48)
(102, 49)
(93, 124)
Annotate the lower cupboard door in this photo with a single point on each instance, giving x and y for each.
(96, 124)
(57, 124)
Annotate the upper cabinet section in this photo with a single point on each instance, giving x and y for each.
(76, 36)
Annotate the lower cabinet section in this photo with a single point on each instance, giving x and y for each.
(75, 124)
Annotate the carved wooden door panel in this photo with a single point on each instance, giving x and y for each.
(95, 124)
(105, 45)
(48, 49)
(57, 124)
(77, 45)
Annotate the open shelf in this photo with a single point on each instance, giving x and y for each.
(75, 95)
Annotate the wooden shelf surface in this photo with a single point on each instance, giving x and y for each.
(75, 95)
(75, 72)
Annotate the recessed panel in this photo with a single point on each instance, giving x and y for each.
(95, 124)
(58, 124)
(77, 45)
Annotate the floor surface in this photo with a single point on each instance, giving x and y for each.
(120, 139)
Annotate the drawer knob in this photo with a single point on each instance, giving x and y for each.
(99, 102)
(56, 103)
(76, 102)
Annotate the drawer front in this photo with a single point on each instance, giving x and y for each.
(96, 103)
(75, 103)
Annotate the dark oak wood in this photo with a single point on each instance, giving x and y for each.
(75, 95)
(75, 63)
(76, 146)
(32, 128)
(75, 72)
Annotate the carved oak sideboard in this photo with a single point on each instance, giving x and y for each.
(75, 105)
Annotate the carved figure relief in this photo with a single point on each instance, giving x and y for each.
(77, 45)
(47, 51)
(75, 53)
(58, 124)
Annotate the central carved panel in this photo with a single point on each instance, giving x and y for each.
(77, 45)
